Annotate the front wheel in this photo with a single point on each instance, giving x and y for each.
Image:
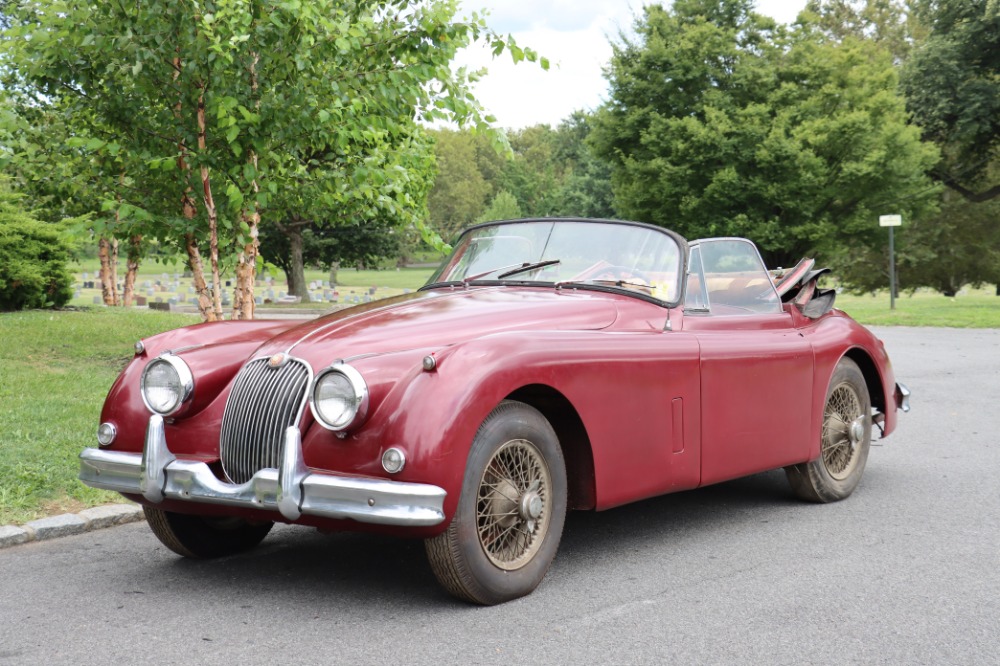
(510, 513)
(205, 537)
(844, 443)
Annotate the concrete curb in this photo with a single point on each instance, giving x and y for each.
(68, 524)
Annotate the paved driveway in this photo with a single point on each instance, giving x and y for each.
(907, 571)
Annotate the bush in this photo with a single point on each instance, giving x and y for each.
(33, 259)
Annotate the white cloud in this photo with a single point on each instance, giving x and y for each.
(574, 35)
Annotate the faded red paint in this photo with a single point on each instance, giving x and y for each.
(706, 399)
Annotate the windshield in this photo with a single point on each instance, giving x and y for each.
(630, 256)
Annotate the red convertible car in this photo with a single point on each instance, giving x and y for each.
(548, 364)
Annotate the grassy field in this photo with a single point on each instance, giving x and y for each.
(56, 367)
(972, 308)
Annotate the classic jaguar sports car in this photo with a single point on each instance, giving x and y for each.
(548, 364)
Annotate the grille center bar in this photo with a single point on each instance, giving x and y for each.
(266, 399)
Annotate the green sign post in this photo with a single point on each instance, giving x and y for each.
(891, 221)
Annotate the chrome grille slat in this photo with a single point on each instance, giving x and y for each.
(240, 405)
(264, 401)
(243, 404)
(275, 419)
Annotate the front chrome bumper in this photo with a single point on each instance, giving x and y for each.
(292, 489)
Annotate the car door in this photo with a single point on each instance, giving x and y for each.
(756, 368)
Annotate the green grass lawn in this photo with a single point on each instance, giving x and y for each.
(971, 308)
(56, 367)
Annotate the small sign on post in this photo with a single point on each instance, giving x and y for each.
(891, 221)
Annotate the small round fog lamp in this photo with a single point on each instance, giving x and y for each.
(393, 460)
(106, 434)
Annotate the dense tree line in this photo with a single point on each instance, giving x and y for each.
(542, 172)
(209, 129)
(722, 122)
(197, 124)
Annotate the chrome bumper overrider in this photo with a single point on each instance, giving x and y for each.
(902, 397)
(292, 489)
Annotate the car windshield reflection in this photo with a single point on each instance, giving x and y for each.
(634, 257)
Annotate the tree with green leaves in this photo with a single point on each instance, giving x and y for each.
(504, 206)
(230, 104)
(892, 24)
(546, 171)
(33, 258)
(721, 122)
(585, 190)
(461, 188)
(952, 87)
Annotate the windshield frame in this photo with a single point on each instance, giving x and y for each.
(603, 286)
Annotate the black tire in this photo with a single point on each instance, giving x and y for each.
(844, 441)
(205, 537)
(511, 511)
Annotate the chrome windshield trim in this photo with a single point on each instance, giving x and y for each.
(293, 490)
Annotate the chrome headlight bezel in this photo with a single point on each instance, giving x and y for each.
(355, 400)
(183, 386)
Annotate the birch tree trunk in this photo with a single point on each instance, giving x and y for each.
(213, 218)
(107, 286)
(201, 289)
(246, 264)
(133, 255)
(114, 271)
(208, 313)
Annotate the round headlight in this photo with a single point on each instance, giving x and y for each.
(166, 383)
(339, 397)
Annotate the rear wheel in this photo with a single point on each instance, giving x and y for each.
(205, 537)
(845, 440)
(511, 511)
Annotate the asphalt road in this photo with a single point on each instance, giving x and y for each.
(906, 571)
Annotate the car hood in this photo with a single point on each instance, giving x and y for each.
(441, 317)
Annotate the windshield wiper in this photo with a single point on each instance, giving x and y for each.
(614, 283)
(470, 278)
(512, 269)
(524, 268)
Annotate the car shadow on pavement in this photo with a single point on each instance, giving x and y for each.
(310, 569)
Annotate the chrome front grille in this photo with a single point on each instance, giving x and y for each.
(263, 403)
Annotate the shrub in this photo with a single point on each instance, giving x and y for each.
(33, 258)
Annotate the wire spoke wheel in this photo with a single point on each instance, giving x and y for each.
(845, 438)
(511, 512)
(843, 429)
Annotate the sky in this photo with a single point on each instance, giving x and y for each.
(574, 35)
